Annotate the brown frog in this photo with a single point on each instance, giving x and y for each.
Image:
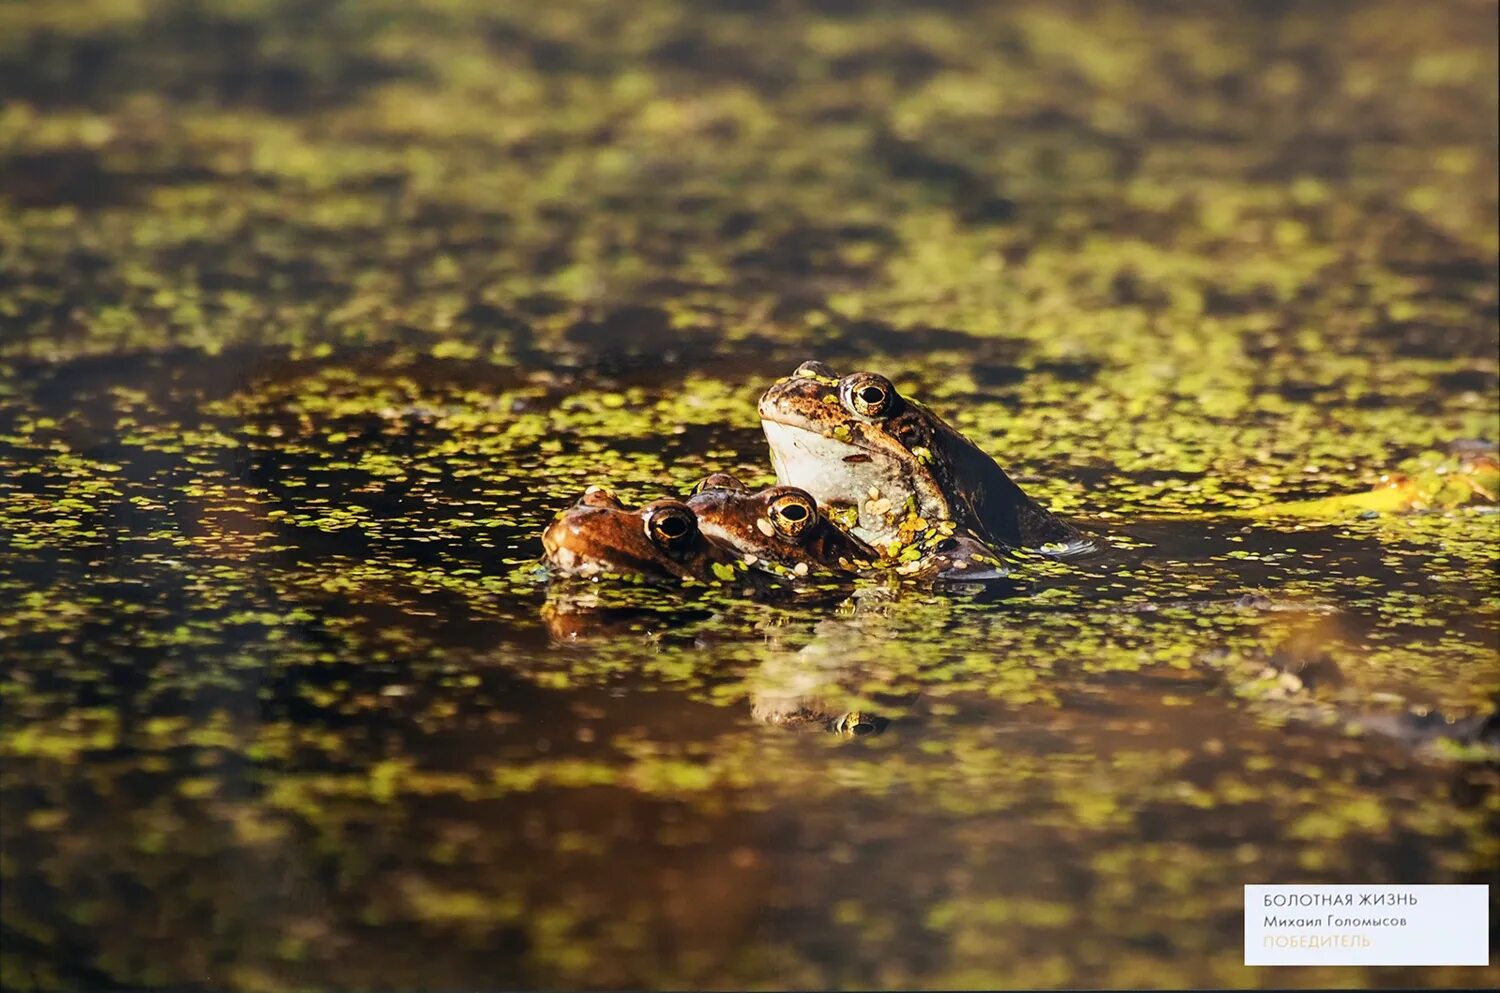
(599, 536)
(890, 470)
(778, 528)
(782, 530)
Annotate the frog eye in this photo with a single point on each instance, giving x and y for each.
(946, 545)
(792, 514)
(857, 725)
(869, 395)
(672, 526)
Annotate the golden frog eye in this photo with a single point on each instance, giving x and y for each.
(671, 526)
(869, 395)
(857, 725)
(792, 514)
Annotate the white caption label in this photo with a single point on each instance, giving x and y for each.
(1367, 925)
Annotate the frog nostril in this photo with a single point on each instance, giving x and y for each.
(813, 369)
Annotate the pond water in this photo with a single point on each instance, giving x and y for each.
(288, 703)
(315, 315)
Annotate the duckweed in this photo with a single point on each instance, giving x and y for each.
(315, 314)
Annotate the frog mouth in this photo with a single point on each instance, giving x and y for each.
(850, 448)
(812, 460)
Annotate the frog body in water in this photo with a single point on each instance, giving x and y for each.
(782, 529)
(889, 469)
(660, 541)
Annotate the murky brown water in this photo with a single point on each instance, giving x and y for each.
(314, 314)
(288, 704)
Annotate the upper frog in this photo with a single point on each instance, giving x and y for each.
(888, 468)
(781, 529)
(661, 540)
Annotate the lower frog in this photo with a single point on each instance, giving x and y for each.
(782, 530)
(889, 469)
(599, 536)
(779, 528)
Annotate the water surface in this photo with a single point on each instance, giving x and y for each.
(315, 314)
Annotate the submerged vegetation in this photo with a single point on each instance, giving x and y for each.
(313, 314)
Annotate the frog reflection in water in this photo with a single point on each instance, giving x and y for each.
(781, 529)
(833, 681)
(599, 537)
(889, 469)
(841, 680)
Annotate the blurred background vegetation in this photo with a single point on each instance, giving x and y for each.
(480, 178)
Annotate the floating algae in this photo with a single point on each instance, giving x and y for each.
(313, 314)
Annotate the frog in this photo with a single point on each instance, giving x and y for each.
(660, 541)
(891, 471)
(782, 529)
(778, 528)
